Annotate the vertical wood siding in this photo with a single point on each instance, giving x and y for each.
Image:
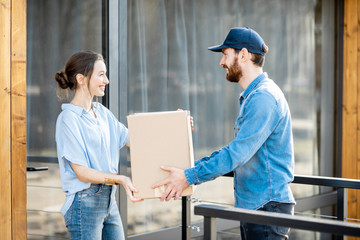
(5, 126)
(351, 104)
(18, 118)
(13, 119)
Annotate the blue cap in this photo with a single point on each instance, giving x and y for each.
(240, 38)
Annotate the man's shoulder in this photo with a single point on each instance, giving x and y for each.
(269, 88)
(264, 91)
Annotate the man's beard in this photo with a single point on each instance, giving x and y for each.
(234, 72)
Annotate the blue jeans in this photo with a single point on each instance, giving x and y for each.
(251, 231)
(94, 215)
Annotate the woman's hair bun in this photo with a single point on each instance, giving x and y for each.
(62, 80)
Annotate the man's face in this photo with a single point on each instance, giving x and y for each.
(229, 61)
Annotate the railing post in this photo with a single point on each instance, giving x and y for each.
(340, 208)
(185, 218)
(209, 228)
(340, 204)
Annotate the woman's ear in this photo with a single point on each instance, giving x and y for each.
(80, 79)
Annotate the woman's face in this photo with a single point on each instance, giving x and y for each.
(98, 79)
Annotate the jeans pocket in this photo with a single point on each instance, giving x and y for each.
(286, 208)
(93, 190)
(283, 231)
(67, 216)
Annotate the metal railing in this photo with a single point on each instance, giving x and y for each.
(337, 197)
(211, 212)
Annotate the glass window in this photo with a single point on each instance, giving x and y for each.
(55, 30)
(169, 67)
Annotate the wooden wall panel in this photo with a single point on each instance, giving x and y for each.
(357, 158)
(18, 118)
(5, 137)
(13, 119)
(351, 104)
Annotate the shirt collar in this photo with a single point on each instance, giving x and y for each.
(76, 109)
(252, 85)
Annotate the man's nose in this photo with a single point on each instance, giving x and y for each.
(222, 62)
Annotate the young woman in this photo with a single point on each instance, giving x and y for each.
(88, 138)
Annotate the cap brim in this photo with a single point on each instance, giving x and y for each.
(217, 48)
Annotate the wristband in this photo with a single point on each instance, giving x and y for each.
(109, 181)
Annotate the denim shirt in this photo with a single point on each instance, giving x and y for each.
(87, 141)
(261, 155)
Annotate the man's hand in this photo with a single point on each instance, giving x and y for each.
(176, 183)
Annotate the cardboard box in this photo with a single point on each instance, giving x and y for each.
(156, 139)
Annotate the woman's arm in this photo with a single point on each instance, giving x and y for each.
(90, 175)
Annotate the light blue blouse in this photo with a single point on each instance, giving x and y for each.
(87, 141)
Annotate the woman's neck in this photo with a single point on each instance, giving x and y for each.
(81, 100)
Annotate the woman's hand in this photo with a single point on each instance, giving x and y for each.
(192, 123)
(129, 187)
(90, 175)
(191, 120)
